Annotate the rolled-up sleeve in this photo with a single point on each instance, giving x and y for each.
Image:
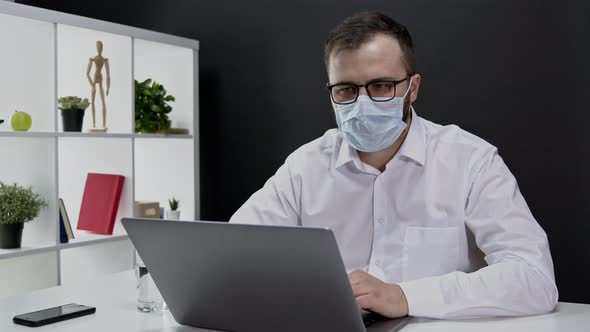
(519, 278)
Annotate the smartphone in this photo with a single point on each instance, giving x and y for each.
(53, 315)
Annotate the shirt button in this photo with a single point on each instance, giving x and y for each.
(377, 262)
(380, 220)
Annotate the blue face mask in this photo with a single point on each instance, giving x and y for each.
(371, 126)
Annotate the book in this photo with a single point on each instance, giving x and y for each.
(65, 222)
(100, 203)
(63, 235)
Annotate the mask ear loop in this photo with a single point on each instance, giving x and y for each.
(409, 86)
(404, 98)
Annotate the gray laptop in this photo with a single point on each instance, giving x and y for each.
(244, 278)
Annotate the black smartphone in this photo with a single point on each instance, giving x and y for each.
(53, 315)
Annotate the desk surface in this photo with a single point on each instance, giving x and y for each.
(114, 299)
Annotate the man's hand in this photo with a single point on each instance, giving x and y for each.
(375, 295)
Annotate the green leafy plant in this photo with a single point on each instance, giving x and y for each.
(72, 102)
(151, 107)
(173, 204)
(19, 204)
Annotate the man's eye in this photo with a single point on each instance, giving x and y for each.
(346, 90)
(382, 86)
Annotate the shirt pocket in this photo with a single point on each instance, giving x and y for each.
(429, 251)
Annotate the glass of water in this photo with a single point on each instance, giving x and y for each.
(149, 298)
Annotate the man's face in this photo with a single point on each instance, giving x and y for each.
(379, 58)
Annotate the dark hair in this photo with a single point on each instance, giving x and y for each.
(360, 28)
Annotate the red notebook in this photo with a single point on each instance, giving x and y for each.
(100, 203)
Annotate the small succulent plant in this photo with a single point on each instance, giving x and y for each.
(173, 204)
(72, 102)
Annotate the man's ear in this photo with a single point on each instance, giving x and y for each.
(415, 87)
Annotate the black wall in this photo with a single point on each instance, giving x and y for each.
(513, 72)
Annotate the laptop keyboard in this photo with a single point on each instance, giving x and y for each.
(371, 318)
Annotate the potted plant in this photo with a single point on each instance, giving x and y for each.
(174, 213)
(18, 205)
(151, 107)
(72, 112)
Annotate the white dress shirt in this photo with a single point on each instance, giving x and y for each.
(445, 220)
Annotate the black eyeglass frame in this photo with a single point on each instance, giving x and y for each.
(358, 89)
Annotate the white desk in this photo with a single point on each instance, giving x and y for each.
(114, 299)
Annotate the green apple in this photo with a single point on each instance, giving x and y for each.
(20, 121)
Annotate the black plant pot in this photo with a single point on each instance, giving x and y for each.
(72, 119)
(11, 235)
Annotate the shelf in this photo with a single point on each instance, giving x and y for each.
(107, 135)
(28, 273)
(151, 184)
(88, 239)
(84, 240)
(171, 66)
(35, 13)
(26, 64)
(34, 134)
(49, 55)
(163, 136)
(26, 250)
(75, 46)
(93, 135)
(87, 135)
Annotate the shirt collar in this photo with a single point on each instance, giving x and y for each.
(414, 146)
(346, 153)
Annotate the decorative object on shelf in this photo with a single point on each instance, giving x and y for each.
(151, 107)
(100, 203)
(143, 209)
(99, 62)
(18, 205)
(72, 112)
(1, 121)
(175, 131)
(21, 121)
(65, 228)
(174, 213)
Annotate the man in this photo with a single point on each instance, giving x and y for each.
(428, 218)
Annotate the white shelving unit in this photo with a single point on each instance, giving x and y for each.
(44, 56)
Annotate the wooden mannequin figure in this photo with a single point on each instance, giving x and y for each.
(99, 61)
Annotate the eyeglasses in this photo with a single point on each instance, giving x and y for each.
(380, 90)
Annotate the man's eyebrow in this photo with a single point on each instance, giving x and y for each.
(384, 78)
(343, 82)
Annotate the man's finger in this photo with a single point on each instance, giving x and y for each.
(356, 276)
(359, 289)
(365, 302)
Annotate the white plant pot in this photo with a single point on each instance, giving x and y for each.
(173, 215)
